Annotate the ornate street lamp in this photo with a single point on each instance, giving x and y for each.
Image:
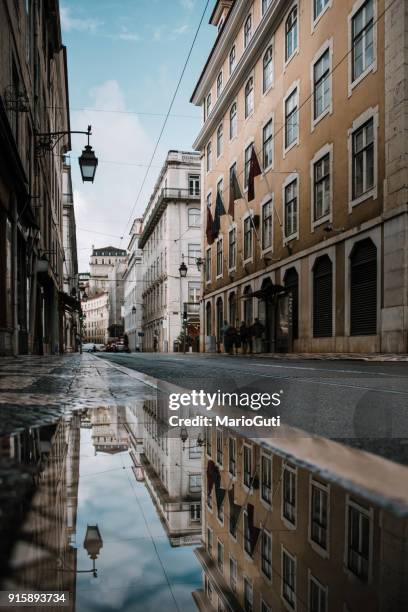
(93, 543)
(183, 269)
(134, 310)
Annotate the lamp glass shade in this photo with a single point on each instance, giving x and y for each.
(93, 541)
(134, 310)
(88, 163)
(183, 270)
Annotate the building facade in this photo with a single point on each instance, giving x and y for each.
(33, 103)
(116, 299)
(69, 298)
(133, 288)
(319, 252)
(170, 236)
(96, 311)
(101, 264)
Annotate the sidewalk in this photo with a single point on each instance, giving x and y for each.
(378, 357)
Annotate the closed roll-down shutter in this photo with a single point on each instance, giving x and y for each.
(292, 284)
(322, 298)
(363, 289)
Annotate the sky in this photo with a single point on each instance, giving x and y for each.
(124, 60)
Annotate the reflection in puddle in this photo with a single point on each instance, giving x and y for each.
(107, 504)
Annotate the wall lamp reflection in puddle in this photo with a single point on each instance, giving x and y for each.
(92, 543)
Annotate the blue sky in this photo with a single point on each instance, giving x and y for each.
(127, 55)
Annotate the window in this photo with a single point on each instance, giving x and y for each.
(321, 85)
(220, 451)
(289, 494)
(208, 105)
(219, 84)
(220, 317)
(194, 184)
(220, 556)
(194, 251)
(267, 69)
(209, 541)
(363, 288)
(219, 257)
(248, 595)
(265, 4)
(319, 6)
(195, 483)
(291, 119)
(247, 238)
(247, 465)
(232, 60)
(247, 30)
(362, 25)
(291, 281)
(266, 479)
(232, 307)
(194, 295)
(266, 554)
(208, 439)
(195, 513)
(288, 578)
(209, 589)
(291, 209)
(208, 265)
(363, 159)
(291, 29)
(194, 217)
(248, 307)
(209, 157)
(194, 450)
(249, 97)
(265, 607)
(267, 225)
(232, 456)
(232, 248)
(317, 596)
(233, 574)
(321, 187)
(220, 140)
(233, 121)
(319, 514)
(322, 297)
(247, 163)
(358, 541)
(267, 145)
(208, 326)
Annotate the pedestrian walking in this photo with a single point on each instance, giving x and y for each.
(224, 338)
(245, 337)
(257, 331)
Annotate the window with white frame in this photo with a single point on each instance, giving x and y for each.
(208, 265)
(208, 104)
(321, 187)
(266, 554)
(247, 163)
(265, 4)
(249, 97)
(266, 479)
(209, 157)
(232, 59)
(291, 118)
(195, 513)
(194, 217)
(220, 140)
(289, 494)
(247, 238)
(233, 574)
(291, 31)
(220, 556)
(288, 578)
(362, 25)
(248, 595)
(358, 540)
(319, 508)
(194, 184)
(209, 589)
(267, 69)
(194, 251)
(321, 85)
(232, 456)
(233, 121)
(291, 208)
(267, 225)
(363, 159)
(232, 248)
(219, 84)
(318, 7)
(220, 447)
(317, 596)
(247, 30)
(195, 483)
(267, 145)
(247, 471)
(209, 541)
(219, 257)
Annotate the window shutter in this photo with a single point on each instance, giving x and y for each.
(292, 284)
(363, 289)
(323, 298)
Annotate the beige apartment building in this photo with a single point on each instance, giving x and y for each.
(300, 523)
(319, 255)
(96, 310)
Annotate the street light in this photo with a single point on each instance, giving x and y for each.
(134, 310)
(93, 543)
(88, 162)
(183, 269)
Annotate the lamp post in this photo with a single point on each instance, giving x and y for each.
(92, 543)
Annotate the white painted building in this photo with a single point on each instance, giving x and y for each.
(96, 311)
(101, 265)
(170, 235)
(133, 288)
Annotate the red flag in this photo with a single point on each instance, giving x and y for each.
(254, 170)
(209, 230)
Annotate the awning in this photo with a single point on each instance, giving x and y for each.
(266, 293)
(69, 303)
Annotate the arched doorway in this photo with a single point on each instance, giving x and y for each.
(232, 308)
(363, 288)
(220, 318)
(323, 297)
(208, 326)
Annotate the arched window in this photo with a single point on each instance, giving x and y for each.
(323, 297)
(209, 157)
(220, 140)
(208, 104)
(267, 69)
(247, 30)
(233, 121)
(291, 281)
(219, 84)
(232, 58)
(363, 288)
(194, 217)
(208, 325)
(291, 28)
(248, 305)
(220, 318)
(232, 308)
(249, 97)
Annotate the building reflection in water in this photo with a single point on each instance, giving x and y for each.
(38, 505)
(301, 524)
(173, 474)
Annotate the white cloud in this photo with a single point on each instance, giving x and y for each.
(69, 22)
(181, 30)
(187, 4)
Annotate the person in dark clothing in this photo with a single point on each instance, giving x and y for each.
(257, 330)
(229, 337)
(246, 339)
